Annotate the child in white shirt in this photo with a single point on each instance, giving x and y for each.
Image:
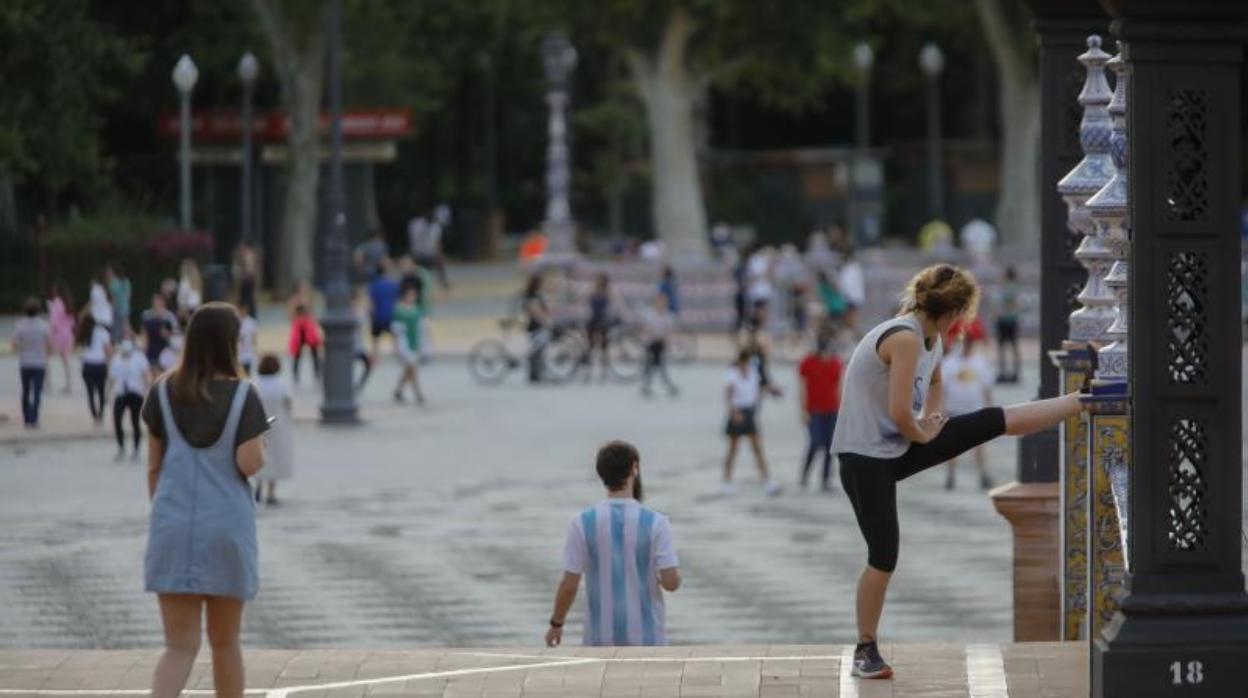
(968, 378)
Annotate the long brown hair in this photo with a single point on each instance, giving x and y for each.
(209, 351)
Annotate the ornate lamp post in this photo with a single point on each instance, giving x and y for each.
(248, 71)
(558, 60)
(932, 61)
(864, 57)
(339, 397)
(184, 76)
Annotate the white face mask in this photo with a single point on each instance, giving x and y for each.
(127, 346)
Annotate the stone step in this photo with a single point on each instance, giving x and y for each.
(1024, 670)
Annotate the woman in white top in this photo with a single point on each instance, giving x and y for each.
(100, 305)
(743, 390)
(190, 289)
(96, 342)
(129, 375)
(891, 427)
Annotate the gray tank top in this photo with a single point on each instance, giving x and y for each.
(863, 425)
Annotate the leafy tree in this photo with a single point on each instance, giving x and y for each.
(296, 30)
(59, 67)
(676, 49)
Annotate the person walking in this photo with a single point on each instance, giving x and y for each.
(362, 311)
(1007, 328)
(119, 290)
(248, 328)
(159, 326)
(61, 322)
(190, 289)
(305, 331)
(96, 345)
(100, 306)
(407, 318)
(853, 284)
(205, 426)
(743, 391)
(624, 550)
(368, 255)
(890, 427)
(246, 267)
(129, 376)
(669, 288)
(968, 379)
(279, 460)
(601, 304)
(537, 324)
(383, 295)
(820, 374)
(32, 342)
(656, 324)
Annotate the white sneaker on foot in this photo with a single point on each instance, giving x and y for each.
(771, 488)
(728, 489)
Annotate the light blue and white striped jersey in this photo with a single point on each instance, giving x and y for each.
(620, 546)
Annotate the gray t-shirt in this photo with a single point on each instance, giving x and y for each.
(31, 337)
(863, 425)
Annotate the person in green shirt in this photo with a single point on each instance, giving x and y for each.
(406, 327)
(119, 290)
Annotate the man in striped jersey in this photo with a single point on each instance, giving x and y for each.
(625, 552)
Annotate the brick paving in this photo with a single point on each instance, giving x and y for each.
(1033, 670)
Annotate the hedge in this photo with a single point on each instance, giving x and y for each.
(76, 251)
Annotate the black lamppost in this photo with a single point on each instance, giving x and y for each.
(864, 58)
(185, 74)
(932, 61)
(338, 406)
(248, 71)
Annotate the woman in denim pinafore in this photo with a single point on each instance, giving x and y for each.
(201, 551)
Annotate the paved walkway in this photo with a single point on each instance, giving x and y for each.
(1034, 670)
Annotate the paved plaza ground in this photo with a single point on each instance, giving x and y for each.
(442, 525)
(1035, 670)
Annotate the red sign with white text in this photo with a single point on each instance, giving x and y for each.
(226, 125)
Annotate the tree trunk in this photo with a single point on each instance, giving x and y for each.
(1018, 203)
(668, 90)
(1018, 86)
(299, 60)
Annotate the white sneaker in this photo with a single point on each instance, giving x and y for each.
(728, 489)
(771, 488)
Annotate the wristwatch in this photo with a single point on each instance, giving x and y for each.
(553, 624)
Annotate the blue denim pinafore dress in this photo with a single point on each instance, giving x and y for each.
(202, 533)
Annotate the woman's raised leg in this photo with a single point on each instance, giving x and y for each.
(179, 613)
(1030, 417)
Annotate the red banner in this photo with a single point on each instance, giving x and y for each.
(226, 125)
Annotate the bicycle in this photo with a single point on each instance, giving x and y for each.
(625, 352)
(490, 360)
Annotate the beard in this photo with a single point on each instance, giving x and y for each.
(637, 491)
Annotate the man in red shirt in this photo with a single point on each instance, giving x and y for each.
(820, 374)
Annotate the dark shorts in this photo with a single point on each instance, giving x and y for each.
(1007, 330)
(871, 483)
(745, 427)
(379, 328)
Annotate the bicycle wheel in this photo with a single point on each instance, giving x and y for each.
(563, 356)
(682, 347)
(626, 354)
(489, 362)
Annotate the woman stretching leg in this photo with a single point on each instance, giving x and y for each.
(890, 427)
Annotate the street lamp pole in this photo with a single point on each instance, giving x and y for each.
(864, 57)
(932, 61)
(338, 406)
(184, 76)
(248, 71)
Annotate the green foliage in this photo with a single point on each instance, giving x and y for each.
(59, 67)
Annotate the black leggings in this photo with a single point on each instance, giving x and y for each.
(95, 376)
(871, 483)
(134, 403)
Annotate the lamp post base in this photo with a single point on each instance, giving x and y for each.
(338, 405)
